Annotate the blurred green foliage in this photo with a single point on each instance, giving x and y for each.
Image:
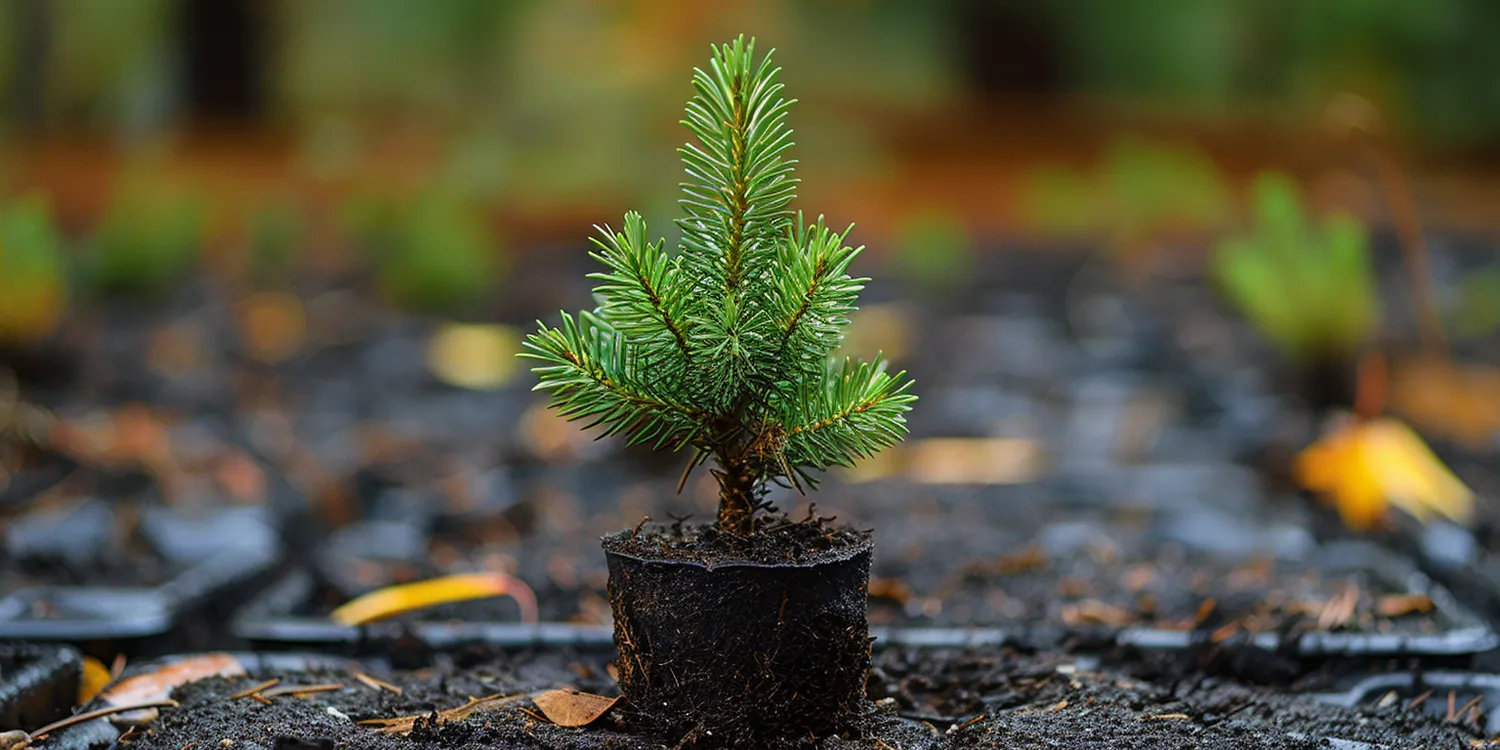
(33, 272)
(1428, 63)
(934, 251)
(1476, 309)
(1308, 288)
(434, 255)
(274, 237)
(1142, 188)
(147, 241)
(526, 68)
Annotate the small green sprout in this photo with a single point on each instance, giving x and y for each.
(146, 243)
(1309, 289)
(723, 343)
(33, 273)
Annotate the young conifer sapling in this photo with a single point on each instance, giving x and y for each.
(723, 344)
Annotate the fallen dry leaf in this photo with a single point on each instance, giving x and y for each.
(1094, 612)
(406, 597)
(157, 685)
(93, 680)
(571, 708)
(1339, 609)
(1364, 467)
(1398, 605)
(890, 588)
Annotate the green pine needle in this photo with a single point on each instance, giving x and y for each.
(723, 343)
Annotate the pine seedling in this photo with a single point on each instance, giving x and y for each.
(1309, 289)
(722, 345)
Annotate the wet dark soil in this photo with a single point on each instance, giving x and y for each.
(742, 641)
(970, 699)
(778, 540)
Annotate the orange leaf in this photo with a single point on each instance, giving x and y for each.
(157, 684)
(94, 679)
(570, 708)
(1364, 467)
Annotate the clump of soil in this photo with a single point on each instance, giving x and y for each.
(778, 540)
(751, 641)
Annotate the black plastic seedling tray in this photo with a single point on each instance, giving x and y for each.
(1432, 689)
(1462, 633)
(38, 684)
(265, 622)
(219, 552)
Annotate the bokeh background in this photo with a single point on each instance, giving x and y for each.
(553, 115)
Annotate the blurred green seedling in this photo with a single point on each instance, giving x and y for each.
(33, 272)
(935, 251)
(1141, 190)
(436, 256)
(1476, 312)
(1308, 287)
(146, 243)
(1161, 187)
(273, 239)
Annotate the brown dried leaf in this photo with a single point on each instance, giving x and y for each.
(1095, 612)
(890, 588)
(1339, 609)
(1398, 605)
(570, 708)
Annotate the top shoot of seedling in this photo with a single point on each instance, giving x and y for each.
(723, 344)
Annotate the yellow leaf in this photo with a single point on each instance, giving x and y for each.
(1365, 467)
(394, 600)
(477, 357)
(94, 679)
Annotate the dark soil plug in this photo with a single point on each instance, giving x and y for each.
(721, 644)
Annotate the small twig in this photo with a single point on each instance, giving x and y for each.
(1451, 698)
(1473, 703)
(261, 699)
(253, 689)
(1419, 700)
(635, 532)
(298, 690)
(1403, 210)
(375, 683)
(1371, 385)
(96, 714)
